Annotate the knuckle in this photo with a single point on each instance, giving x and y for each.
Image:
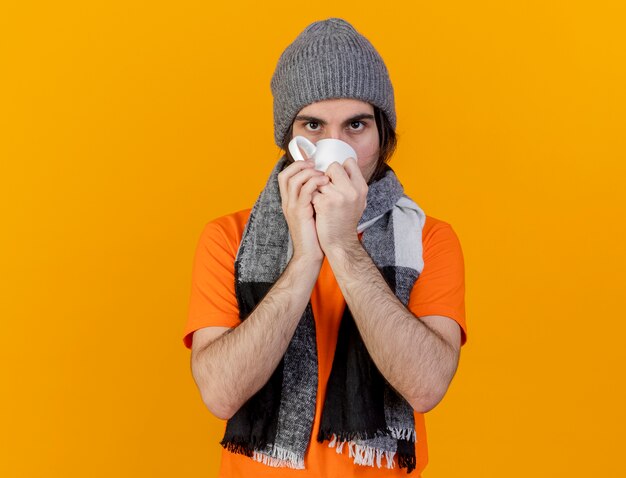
(293, 180)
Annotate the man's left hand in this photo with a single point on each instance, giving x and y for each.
(339, 206)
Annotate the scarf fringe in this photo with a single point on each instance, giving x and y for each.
(364, 455)
(280, 457)
(240, 448)
(408, 462)
(407, 434)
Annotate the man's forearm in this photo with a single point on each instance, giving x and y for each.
(415, 360)
(235, 366)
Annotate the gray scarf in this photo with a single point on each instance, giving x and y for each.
(361, 409)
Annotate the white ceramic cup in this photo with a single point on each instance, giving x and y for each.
(324, 152)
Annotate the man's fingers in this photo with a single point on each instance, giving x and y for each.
(311, 187)
(292, 169)
(338, 175)
(295, 183)
(287, 173)
(354, 172)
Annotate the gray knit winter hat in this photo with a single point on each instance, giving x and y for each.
(329, 59)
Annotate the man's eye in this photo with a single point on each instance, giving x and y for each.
(357, 123)
(312, 122)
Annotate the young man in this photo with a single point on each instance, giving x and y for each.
(310, 331)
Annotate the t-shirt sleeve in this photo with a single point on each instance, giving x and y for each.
(440, 288)
(212, 301)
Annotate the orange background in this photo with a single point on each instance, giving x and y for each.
(125, 127)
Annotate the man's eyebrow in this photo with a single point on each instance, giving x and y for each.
(358, 117)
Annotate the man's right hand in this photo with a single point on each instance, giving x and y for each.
(297, 182)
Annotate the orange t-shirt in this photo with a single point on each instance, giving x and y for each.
(439, 290)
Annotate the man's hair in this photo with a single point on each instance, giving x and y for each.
(387, 141)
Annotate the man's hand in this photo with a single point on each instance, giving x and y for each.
(339, 206)
(297, 182)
